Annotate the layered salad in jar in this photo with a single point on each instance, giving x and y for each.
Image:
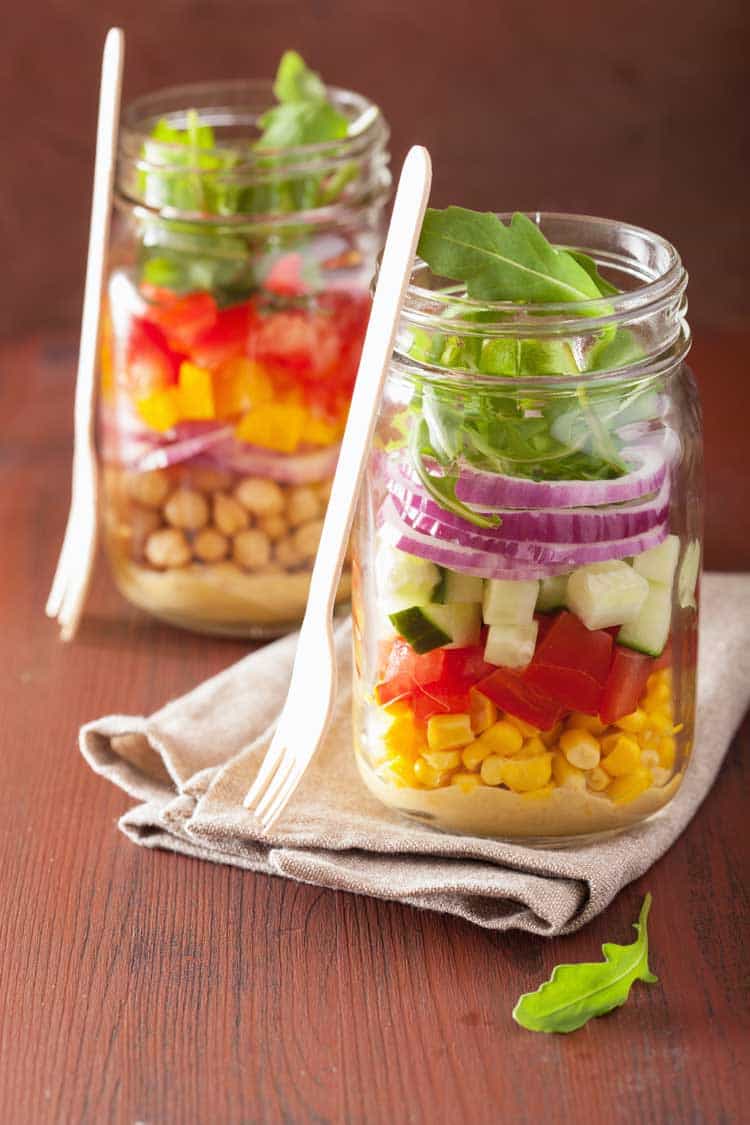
(528, 548)
(235, 311)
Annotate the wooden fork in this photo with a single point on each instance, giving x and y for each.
(309, 704)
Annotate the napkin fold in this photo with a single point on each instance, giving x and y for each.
(191, 763)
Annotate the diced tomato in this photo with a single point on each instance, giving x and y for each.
(301, 343)
(223, 340)
(426, 705)
(151, 363)
(184, 319)
(625, 684)
(510, 692)
(572, 664)
(439, 679)
(285, 276)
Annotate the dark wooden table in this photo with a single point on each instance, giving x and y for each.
(146, 987)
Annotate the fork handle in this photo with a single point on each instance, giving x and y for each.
(393, 279)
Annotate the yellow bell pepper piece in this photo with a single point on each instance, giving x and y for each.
(273, 425)
(196, 393)
(319, 431)
(160, 410)
(239, 385)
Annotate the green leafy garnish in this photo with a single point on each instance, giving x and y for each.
(574, 994)
(502, 263)
(304, 114)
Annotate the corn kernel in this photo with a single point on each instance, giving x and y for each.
(666, 749)
(609, 741)
(403, 736)
(660, 722)
(492, 770)
(442, 760)
(482, 711)
(399, 771)
(449, 732)
(524, 774)
(566, 775)
(624, 758)
(526, 729)
(580, 748)
(550, 737)
(474, 754)
(630, 786)
(597, 779)
(426, 775)
(660, 776)
(502, 738)
(532, 747)
(649, 759)
(466, 782)
(660, 692)
(580, 721)
(633, 723)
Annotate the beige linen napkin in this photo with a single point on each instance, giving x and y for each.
(191, 763)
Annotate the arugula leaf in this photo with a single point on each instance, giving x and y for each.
(574, 994)
(501, 263)
(606, 289)
(304, 114)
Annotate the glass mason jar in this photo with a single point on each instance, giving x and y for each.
(528, 550)
(236, 303)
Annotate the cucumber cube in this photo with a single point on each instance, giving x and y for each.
(403, 580)
(659, 563)
(511, 645)
(455, 587)
(552, 594)
(439, 626)
(648, 633)
(605, 597)
(509, 603)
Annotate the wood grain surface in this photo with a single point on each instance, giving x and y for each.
(147, 987)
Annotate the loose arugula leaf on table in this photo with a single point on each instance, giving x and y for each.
(574, 994)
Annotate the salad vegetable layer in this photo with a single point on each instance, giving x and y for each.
(231, 341)
(526, 584)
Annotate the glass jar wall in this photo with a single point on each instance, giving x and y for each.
(236, 305)
(528, 551)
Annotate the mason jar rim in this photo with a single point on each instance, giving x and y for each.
(242, 101)
(657, 285)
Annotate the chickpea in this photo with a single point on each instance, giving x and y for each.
(286, 554)
(302, 505)
(167, 548)
(187, 509)
(307, 537)
(261, 497)
(210, 545)
(141, 523)
(229, 515)
(149, 489)
(275, 527)
(206, 479)
(252, 549)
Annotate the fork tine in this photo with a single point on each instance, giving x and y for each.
(286, 791)
(268, 766)
(278, 783)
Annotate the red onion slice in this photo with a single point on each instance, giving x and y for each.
(547, 525)
(298, 468)
(570, 555)
(489, 492)
(467, 560)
